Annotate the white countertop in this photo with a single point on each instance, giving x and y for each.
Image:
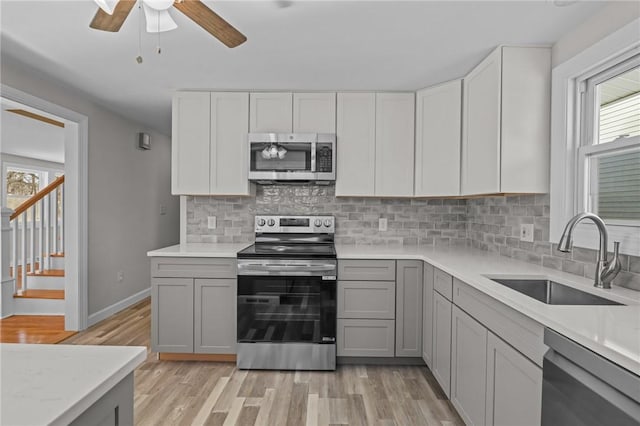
(54, 384)
(611, 331)
(200, 250)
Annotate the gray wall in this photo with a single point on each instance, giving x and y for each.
(493, 224)
(410, 222)
(126, 188)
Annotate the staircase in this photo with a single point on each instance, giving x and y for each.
(37, 253)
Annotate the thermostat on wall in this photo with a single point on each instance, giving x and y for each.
(144, 141)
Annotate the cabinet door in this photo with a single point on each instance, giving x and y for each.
(314, 113)
(438, 127)
(526, 91)
(367, 299)
(427, 314)
(409, 308)
(514, 386)
(215, 316)
(270, 113)
(172, 315)
(395, 121)
(229, 155)
(481, 127)
(190, 143)
(369, 338)
(442, 342)
(468, 367)
(356, 144)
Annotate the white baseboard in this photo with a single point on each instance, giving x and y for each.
(117, 307)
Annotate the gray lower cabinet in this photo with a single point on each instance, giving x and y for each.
(409, 308)
(366, 299)
(427, 314)
(514, 386)
(468, 367)
(442, 342)
(215, 316)
(112, 409)
(172, 315)
(193, 305)
(366, 338)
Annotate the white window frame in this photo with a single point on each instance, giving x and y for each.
(567, 174)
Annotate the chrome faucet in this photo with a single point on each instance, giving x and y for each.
(606, 270)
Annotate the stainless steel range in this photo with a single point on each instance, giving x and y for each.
(287, 295)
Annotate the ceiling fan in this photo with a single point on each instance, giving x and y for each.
(112, 14)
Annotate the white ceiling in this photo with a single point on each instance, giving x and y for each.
(306, 45)
(30, 138)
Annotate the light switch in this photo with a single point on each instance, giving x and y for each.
(526, 232)
(382, 224)
(211, 222)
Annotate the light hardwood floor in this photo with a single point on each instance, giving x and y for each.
(198, 393)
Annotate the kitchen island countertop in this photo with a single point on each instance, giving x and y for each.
(54, 384)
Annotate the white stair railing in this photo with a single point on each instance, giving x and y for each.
(33, 243)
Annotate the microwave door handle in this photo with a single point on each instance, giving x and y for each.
(313, 157)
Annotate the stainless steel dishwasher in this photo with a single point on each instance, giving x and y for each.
(582, 388)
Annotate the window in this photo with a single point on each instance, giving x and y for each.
(609, 152)
(22, 184)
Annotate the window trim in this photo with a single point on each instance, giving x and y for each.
(566, 134)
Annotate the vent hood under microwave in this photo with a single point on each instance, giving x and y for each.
(292, 157)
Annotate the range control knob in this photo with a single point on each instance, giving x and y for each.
(317, 223)
(327, 223)
(271, 222)
(261, 222)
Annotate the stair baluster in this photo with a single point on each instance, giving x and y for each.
(14, 250)
(46, 217)
(54, 207)
(23, 246)
(61, 248)
(41, 249)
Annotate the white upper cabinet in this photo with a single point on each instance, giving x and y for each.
(438, 127)
(505, 131)
(271, 113)
(375, 134)
(314, 113)
(395, 122)
(190, 145)
(356, 133)
(229, 146)
(209, 143)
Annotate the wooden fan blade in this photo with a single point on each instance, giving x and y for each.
(213, 23)
(112, 23)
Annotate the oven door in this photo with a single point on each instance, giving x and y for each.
(286, 309)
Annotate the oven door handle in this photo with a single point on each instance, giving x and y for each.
(288, 268)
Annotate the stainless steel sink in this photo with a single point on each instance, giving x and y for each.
(553, 293)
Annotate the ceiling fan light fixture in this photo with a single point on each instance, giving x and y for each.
(158, 21)
(107, 6)
(159, 4)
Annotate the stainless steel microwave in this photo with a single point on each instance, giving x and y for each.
(301, 157)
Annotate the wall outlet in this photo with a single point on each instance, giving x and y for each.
(120, 276)
(382, 224)
(526, 232)
(211, 222)
(163, 210)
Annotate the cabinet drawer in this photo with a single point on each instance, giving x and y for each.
(357, 337)
(519, 331)
(193, 267)
(366, 299)
(443, 283)
(367, 270)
